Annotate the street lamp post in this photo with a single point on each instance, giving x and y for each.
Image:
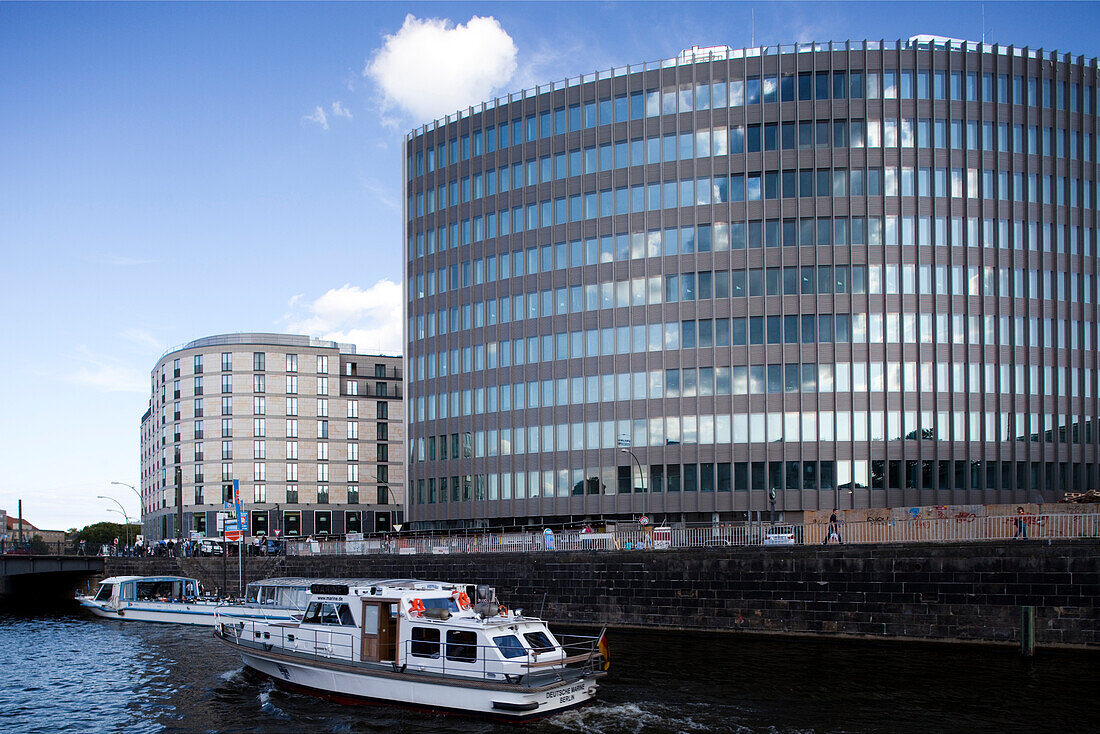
(124, 515)
(641, 477)
(141, 501)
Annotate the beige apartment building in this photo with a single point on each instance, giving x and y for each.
(312, 431)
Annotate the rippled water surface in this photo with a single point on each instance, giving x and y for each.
(67, 672)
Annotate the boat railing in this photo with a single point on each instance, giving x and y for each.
(449, 659)
(334, 643)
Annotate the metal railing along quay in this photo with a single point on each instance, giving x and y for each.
(962, 527)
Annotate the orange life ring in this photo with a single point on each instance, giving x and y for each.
(462, 600)
(503, 611)
(416, 606)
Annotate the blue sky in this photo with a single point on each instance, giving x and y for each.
(171, 171)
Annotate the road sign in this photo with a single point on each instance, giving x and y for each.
(233, 535)
(643, 520)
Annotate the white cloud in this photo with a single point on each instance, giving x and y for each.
(143, 341)
(107, 374)
(431, 68)
(339, 110)
(369, 318)
(318, 116)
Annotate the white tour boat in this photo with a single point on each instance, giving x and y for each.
(181, 600)
(423, 645)
(151, 599)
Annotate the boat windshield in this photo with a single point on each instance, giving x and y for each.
(288, 597)
(510, 646)
(328, 613)
(441, 603)
(104, 592)
(538, 641)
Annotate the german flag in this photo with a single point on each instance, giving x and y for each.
(604, 648)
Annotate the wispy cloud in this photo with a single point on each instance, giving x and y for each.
(143, 341)
(317, 116)
(430, 67)
(384, 195)
(369, 318)
(322, 118)
(339, 110)
(107, 374)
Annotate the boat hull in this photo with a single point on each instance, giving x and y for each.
(197, 614)
(193, 614)
(501, 702)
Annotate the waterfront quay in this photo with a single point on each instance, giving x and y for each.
(982, 591)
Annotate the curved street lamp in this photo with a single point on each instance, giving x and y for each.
(141, 501)
(124, 515)
(641, 477)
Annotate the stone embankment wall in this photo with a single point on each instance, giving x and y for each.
(950, 592)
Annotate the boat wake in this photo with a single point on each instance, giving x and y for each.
(607, 718)
(232, 675)
(268, 707)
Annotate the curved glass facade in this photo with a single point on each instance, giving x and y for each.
(855, 273)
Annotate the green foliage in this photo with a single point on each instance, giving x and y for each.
(106, 532)
(38, 546)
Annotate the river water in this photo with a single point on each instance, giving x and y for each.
(69, 672)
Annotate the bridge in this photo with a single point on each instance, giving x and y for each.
(35, 578)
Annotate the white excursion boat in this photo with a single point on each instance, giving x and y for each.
(423, 645)
(181, 600)
(151, 599)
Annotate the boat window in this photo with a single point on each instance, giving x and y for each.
(252, 594)
(370, 619)
(441, 603)
(345, 615)
(104, 592)
(425, 642)
(462, 646)
(313, 614)
(538, 641)
(150, 590)
(510, 646)
(328, 614)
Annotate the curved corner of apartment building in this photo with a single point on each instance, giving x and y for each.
(312, 432)
(857, 275)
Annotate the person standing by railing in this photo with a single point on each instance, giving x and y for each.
(834, 530)
(1021, 524)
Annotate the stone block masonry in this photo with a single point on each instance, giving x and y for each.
(968, 592)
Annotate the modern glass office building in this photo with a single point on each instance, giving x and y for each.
(860, 274)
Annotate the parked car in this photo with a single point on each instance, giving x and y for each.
(779, 535)
(209, 547)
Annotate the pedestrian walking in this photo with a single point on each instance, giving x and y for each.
(1021, 524)
(834, 530)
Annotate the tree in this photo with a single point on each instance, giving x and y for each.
(101, 533)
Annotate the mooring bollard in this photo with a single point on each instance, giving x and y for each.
(1027, 631)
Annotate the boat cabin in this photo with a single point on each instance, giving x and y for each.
(148, 588)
